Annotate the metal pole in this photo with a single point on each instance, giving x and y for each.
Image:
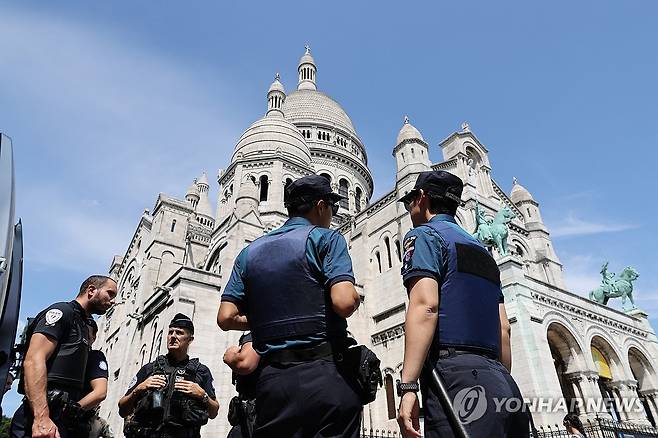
(444, 399)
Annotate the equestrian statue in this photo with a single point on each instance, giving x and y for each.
(493, 232)
(615, 287)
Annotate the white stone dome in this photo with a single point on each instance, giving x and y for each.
(271, 135)
(520, 193)
(276, 85)
(409, 132)
(311, 106)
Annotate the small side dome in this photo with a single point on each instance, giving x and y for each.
(193, 190)
(519, 193)
(409, 132)
(273, 135)
(277, 85)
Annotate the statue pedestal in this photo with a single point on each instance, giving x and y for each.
(511, 268)
(638, 313)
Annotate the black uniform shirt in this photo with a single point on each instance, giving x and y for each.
(96, 369)
(203, 376)
(56, 321)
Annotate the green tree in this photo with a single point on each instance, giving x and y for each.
(4, 427)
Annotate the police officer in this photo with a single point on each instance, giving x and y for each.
(294, 288)
(243, 360)
(54, 366)
(173, 396)
(95, 390)
(456, 320)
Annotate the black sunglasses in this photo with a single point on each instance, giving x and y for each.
(334, 206)
(409, 198)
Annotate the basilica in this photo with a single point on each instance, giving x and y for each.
(564, 346)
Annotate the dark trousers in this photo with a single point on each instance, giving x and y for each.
(21, 424)
(484, 396)
(306, 400)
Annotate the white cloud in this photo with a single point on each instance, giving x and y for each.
(573, 226)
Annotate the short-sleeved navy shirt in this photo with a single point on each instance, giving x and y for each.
(96, 369)
(203, 375)
(426, 252)
(56, 321)
(327, 255)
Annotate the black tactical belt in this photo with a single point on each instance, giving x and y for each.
(297, 355)
(448, 352)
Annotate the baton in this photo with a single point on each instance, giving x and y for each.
(444, 399)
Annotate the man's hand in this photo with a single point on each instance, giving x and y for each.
(153, 382)
(408, 414)
(44, 428)
(190, 388)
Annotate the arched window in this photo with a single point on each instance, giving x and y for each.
(390, 397)
(357, 199)
(398, 250)
(387, 242)
(264, 186)
(342, 190)
(173, 225)
(379, 261)
(413, 155)
(285, 188)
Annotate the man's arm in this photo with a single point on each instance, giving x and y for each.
(419, 327)
(97, 394)
(36, 381)
(213, 408)
(128, 401)
(229, 317)
(344, 298)
(243, 360)
(505, 338)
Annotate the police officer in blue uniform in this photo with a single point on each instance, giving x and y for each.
(456, 320)
(294, 288)
(58, 344)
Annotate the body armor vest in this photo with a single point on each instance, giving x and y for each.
(285, 300)
(177, 408)
(66, 367)
(469, 294)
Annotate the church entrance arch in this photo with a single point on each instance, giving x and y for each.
(567, 361)
(645, 375)
(607, 365)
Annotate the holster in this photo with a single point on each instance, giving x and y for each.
(361, 367)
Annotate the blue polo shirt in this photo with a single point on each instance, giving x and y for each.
(327, 255)
(426, 252)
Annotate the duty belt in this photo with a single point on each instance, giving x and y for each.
(298, 355)
(444, 353)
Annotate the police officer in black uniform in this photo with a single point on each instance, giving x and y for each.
(95, 391)
(243, 360)
(456, 320)
(173, 396)
(294, 288)
(53, 372)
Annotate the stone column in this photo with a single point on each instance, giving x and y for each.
(652, 400)
(593, 398)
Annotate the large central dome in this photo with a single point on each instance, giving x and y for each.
(311, 106)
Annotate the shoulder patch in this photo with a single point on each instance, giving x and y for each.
(103, 366)
(53, 315)
(409, 247)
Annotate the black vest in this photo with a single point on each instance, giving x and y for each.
(66, 367)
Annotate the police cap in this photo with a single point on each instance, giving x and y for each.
(309, 188)
(439, 183)
(182, 321)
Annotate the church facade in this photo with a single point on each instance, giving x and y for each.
(564, 346)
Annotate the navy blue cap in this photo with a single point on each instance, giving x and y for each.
(182, 321)
(438, 182)
(309, 188)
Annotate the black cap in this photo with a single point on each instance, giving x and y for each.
(439, 183)
(309, 188)
(182, 321)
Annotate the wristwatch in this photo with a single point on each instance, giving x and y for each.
(205, 399)
(407, 387)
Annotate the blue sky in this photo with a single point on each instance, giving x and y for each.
(110, 103)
